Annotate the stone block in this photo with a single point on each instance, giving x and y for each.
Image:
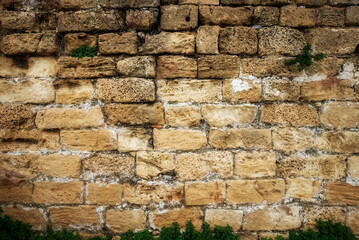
(218, 66)
(342, 2)
(58, 192)
(340, 115)
(240, 2)
(302, 189)
(120, 221)
(276, 2)
(33, 216)
(225, 16)
(266, 16)
(353, 221)
(199, 2)
(353, 166)
(183, 116)
(238, 40)
(57, 165)
(74, 91)
(255, 164)
(207, 39)
(352, 15)
(133, 139)
(342, 193)
(142, 20)
(223, 217)
(84, 217)
(291, 140)
(269, 66)
(339, 142)
(77, 4)
(138, 66)
(152, 164)
(129, 3)
(13, 20)
(16, 192)
(204, 193)
(76, 40)
(293, 16)
(330, 16)
(313, 213)
(311, 3)
(104, 194)
(179, 17)
(242, 90)
(160, 219)
(118, 43)
(16, 116)
(281, 90)
(176, 67)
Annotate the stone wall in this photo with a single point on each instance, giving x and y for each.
(187, 113)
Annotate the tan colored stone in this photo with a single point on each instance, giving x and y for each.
(241, 90)
(42, 67)
(255, 164)
(351, 15)
(291, 140)
(169, 42)
(274, 218)
(313, 213)
(330, 66)
(290, 114)
(58, 192)
(152, 164)
(198, 166)
(281, 90)
(86, 67)
(322, 167)
(311, 3)
(114, 43)
(159, 219)
(125, 90)
(238, 40)
(207, 40)
(228, 115)
(74, 91)
(88, 140)
(330, 16)
(135, 114)
(341, 2)
(247, 138)
(28, 140)
(138, 66)
(176, 67)
(353, 166)
(179, 17)
(240, 2)
(271, 235)
(225, 16)
(129, 3)
(266, 16)
(218, 66)
(123, 220)
(10, 68)
(255, 191)
(340, 142)
(276, 2)
(293, 16)
(177, 139)
(77, 4)
(183, 116)
(33, 216)
(204, 193)
(222, 217)
(340, 115)
(269, 66)
(57, 165)
(27, 91)
(76, 40)
(142, 19)
(133, 139)
(342, 193)
(106, 165)
(353, 221)
(17, 191)
(75, 217)
(303, 189)
(199, 2)
(17, 167)
(104, 193)
(189, 90)
(16, 116)
(13, 20)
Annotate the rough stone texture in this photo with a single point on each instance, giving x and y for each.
(238, 40)
(104, 194)
(159, 219)
(340, 142)
(311, 3)
(16, 191)
(292, 16)
(225, 16)
(312, 213)
(166, 139)
(204, 193)
(77, 4)
(353, 220)
(16, 116)
(222, 217)
(196, 166)
(255, 164)
(199, 2)
(176, 67)
(255, 191)
(218, 66)
(12, 20)
(133, 139)
(135, 114)
(281, 90)
(240, 2)
(269, 66)
(276, 218)
(74, 91)
(242, 90)
(57, 165)
(129, 3)
(74, 217)
(303, 189)
(58, 192)
(141, 19)
(179, 18)
(329, 16)
(125, 90)
(183, 116)
(113, 43)
(76, 40)
(139, 66)
(353, 166)
(342, 193)
(228, 115)
(266, 16)
(351, 15)
(152, 164)
(123, 220)
(276, 2)
(32, 216)
(340, 115)
(291, 140)
(341, 2)
(246, 138)
(207, 39)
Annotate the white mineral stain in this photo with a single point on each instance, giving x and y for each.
(238, 85)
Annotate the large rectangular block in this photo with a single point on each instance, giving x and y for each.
(269, 66)
(129, 3)
(58, 192)
(57, 165)
(133, 139)
(179, 17)
(204, 193)
(342, 193)
(255, 164)
(13, 20)
(117, 43)
(238, 40)
(331, 16)
(218, 66)
(77, 4)
(340, 115)
(183, 116)
(292, 140)
(138, 66)
(15, 192)
(152, 164)
(141, 19)
(120, 221)
(352, 15)
(224, 217)
(281, 90)
(74, 91)
(207, 40)
(176, 67)
(88, 140)
(339, 142)
(242, 90)
(303, 189)
(292, 16)
(225, 16)
(160, 219)
(104, 193)
(16, 116)
(33, 216)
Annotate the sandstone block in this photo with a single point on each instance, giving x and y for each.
(117, 43)
(340, 115)
(152, 164)
(32, 216)
(138, 66)
(125, 90)
(169, 42)
(218, 66)
(142, 19)
(57, 165)
(303, 189)
(16, 116)
(207, 39)
(76, 40)
(123, 220)
(10, 68)
(106, 165)
(255, 191)
(70, 67)
(77, 4)
(133, 139)
(189, 90)
(330, 16)
(228, 115)
(176, 67)
(159, 219)
(242, 90)
(39, 67)
(240, 2)
(352, 15)
(225, 16)
(85, 21)
(340, 142)
(135, 114)
(281, 90)
(312, 213)
(238, 40)
(183, 116)
(342, 2)
(353, 221)
(75, 217)
(276, 2)
(266, 16)
(292, 16)
(291, 140)
(16, 192)
(204, 193)
(69, 118)
(329, 66)
(269, 66)
(255, 164)
(104, 194)
(280, 40)
(166, 139)
(311, 3)
(222, 217)
(246, 138)
(275, 218)
(13, 20)
(74, 91)
(15, 168)
(197, 166)
(58, 192)
(88, 140)
(342, 193)
(199, 2)
(179, 17)
(129, 3)
(353, 166)
(322, 167)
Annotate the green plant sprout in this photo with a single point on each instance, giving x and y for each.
(84, 51)
(305, 59)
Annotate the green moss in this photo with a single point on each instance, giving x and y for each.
(84, 51)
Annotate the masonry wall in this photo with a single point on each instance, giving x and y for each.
(187, 113)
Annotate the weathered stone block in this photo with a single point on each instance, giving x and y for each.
(352, 15)
(199, 2)
(340, 115)
(276, 2)
(281, 90)
(152, 164)
(135, 114)
(57, 165)
(88, 140)
(311, 3)
(16, 190)
(123, 220)
(270, 66)
(222, 217)
(291, 140)
(330, 16)
(74, 217)
(77, 4)
(207, 39)
(225, 16)
(197, 166)
(33, 216)
(76, 40)
(139, 66)
(183, 116)
(133, 139)
(16, 168)
(238, 40)
(266, 16)
(74, 91)
(312, 213)
(292, 16)
(16, 116)
(179, 17)
(58, 192)
(104, 193)
(353, 166)
(176, 67)
(340, 142)
(159, 219)
(129, 3)
(255, 164)
(303, 189)
(218, 66)
(116, 43)
(353, 221)
(13, 20)
(204, 193)
(142, 19)
(242, 90)
(342, 2)
(240, 2)
(166, 139)
(342, 193)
